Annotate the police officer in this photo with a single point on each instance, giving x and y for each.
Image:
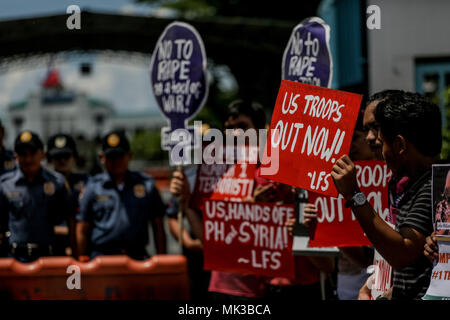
(116, 206)
(62, 154)
(7, 161)
(32, 201)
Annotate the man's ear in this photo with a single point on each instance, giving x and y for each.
(399, 145)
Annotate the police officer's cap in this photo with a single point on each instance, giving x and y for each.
(115, 143)
(27, 140)
(61, 144)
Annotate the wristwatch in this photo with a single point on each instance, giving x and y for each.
(357, 200)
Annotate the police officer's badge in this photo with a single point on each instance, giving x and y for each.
(9, 164)
(49, 188)
(113, 140)
(60, 142)
(25, 136)
(139, 191)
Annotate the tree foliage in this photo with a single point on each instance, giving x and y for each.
(146, 145)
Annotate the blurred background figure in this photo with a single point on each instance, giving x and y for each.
(224, 286)
(7, 161)
(116, 206)
(353, 261)
(192, 245)
(33, 200)
(62, 154)
(306, 285)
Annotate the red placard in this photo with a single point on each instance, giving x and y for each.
(248, 238)
(230, 182)
(311, 129)
(336, 225)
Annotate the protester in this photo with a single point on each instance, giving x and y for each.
(116, 206)
(371, 127)
(192, 246)
(62, 154)
(431, 250)
(353, 262)
(410, 132)
(306, 285)
(227, 285)
(33, 200)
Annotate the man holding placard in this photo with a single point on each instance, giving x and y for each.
(408, 152)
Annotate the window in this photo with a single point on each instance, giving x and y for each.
(433, 80)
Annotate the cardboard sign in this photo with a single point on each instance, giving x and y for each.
(382, 276)
(311, 128)
(307, 57)
(229, 182)
(232, 179)
(300, 245)
(441, 201)
(178, 76)
(336, 225)
(439, 288)
(248, 238)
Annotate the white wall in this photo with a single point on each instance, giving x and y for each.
(409, 29)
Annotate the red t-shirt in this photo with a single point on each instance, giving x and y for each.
(243, 285)
(305, 273)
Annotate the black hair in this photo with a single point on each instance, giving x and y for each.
(378, 96)
(382, 95)
(253, 110)
(414, 117)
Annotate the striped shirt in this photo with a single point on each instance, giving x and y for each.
(415, 212)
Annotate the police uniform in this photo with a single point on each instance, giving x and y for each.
(119, 216)
(64, 145)
(30, 210)
(61, 144)
(7, 161)
(7, 164)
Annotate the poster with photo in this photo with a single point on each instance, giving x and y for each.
(441, 201)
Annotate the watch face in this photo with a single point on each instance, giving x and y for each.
(360, 199)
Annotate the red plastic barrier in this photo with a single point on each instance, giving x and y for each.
(162, 277)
